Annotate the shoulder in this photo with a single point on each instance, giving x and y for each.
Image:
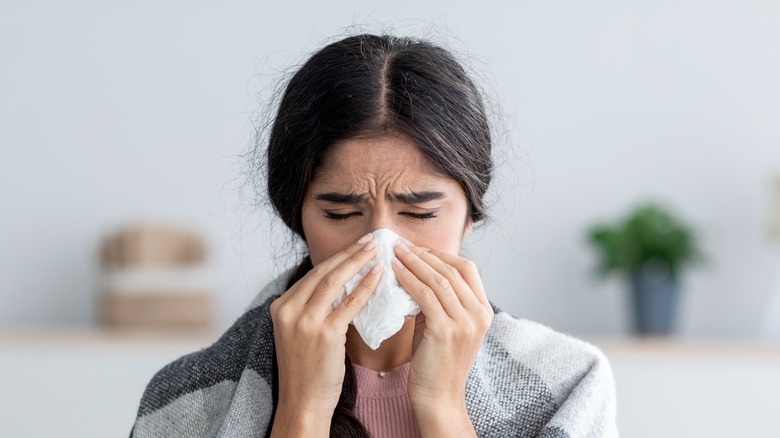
(230, 381)
(559, 359)
(527, 338)
(529, 377)
(248, 343)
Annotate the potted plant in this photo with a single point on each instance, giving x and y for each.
(651, 248)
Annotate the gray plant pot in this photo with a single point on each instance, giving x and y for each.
(654, 301)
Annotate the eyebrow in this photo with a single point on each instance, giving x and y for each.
(340, 198)
(411, 198)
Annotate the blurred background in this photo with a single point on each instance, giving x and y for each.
(124, 120)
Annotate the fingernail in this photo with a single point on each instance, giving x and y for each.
(403, 247)
(398, 265)
(366, 238)
(371, 245)
(407, 242)
(375, 270)
(425, 249)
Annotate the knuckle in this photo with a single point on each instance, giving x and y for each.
(426, 293)
(486, 318)
(442, 282)
(452, 271)
(331, 333)
(469, 265)
(329, 281)
(319, 270)
(306, 327)
(352, 302)
(468, 331)
(355, 295)
(282, 315)
(446, 331)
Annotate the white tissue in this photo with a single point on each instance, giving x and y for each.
(384, 314)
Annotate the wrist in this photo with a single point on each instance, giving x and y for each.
(297, 420)
(437, 406)
(431, 400)
(448, 417)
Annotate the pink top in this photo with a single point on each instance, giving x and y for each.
(382, 403)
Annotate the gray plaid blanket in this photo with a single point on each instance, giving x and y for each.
(527, 381)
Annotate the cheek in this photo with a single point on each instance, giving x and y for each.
(445, 234)
(321, 250)
(444, 238)
(317, 239)
(323, 239)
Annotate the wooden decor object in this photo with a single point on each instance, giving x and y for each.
(155, 277)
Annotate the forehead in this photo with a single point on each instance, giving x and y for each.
(383, 160)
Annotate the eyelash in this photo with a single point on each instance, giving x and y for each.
(342, 217)
(339, 217)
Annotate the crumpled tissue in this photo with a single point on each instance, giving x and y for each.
(384, 313)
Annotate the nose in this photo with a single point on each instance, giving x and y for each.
(382, 218)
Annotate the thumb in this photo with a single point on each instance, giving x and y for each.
(419, 329)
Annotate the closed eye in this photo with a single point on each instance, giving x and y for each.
(345, 216)
(340, 216)
(420, 216)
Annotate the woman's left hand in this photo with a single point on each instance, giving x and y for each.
(455, 315)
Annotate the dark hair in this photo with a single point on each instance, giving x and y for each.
(366, 85)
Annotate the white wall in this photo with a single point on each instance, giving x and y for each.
(139, 111)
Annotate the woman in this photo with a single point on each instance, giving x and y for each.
(381, 132)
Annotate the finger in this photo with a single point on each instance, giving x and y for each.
(468, 271)
(302, 291)
(425, 282)
(354, 302)
(420, 292)
(461, 288)
(332, 284)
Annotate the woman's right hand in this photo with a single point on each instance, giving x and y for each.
(311, 336)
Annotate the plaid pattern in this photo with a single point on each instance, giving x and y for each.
(527, 381)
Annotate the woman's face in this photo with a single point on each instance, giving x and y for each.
(384, 182)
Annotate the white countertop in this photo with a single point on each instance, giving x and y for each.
(89, 381)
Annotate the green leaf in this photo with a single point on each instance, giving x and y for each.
(649, 234)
